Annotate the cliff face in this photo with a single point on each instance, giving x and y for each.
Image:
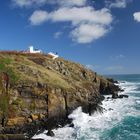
(33, 87)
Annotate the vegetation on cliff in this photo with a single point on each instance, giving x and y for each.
(34, 87)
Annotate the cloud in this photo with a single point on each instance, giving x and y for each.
(117, 3)
(57, 35)
(88, 24)
(137, 16)
(71, 2)
(86, 33)
(38, 17)
(30, 3)
(78, 15)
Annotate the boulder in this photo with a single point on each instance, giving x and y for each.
(50, 133)
(123, 96)
(115, 96)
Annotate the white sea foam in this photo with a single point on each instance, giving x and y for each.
(91, 127)
(129, 86)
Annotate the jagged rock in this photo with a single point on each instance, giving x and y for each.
(112, 80)
(50, 133)
(102, 98)
(123, 96)
(38, 139)
(71, 125)
(110, 109)
(115, 96)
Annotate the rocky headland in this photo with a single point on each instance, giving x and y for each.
(38, 93)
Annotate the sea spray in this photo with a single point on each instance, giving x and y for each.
(119, 121)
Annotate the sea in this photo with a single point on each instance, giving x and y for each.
(119, 121)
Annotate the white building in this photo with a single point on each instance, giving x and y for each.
(31, 50)
(54, 56)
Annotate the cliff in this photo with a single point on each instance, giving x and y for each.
(33, 87)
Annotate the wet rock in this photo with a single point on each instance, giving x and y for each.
(71, 125)
(50, 133)
(123, 96)
(37, 139)
(112, 80)
(102, 98)
(121, 90)
(114, 96)
(110, 109)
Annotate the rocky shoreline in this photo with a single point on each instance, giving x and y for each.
(38, 93)
(27, 131)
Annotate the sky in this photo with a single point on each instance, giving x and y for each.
(103, 35)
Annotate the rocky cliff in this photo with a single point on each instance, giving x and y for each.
(33, 87)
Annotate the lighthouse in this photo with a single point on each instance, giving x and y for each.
(31, 50)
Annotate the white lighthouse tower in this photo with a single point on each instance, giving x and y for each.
(31, 50)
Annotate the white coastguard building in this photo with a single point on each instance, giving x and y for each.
(53, 55)
(50, 54)
(31, 50)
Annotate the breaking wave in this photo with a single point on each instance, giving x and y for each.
(119, 121)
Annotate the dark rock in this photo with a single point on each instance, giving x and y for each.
(123, 96)
(115, 96)
(102, 98)
(120, 96)
(112, 80)
(121, 90)
(110, 109)
(37, 139)
(50, 133)
(71, 125)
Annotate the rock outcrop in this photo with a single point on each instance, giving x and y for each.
(34, 89)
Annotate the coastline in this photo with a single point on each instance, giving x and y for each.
(38, 90)
(117, 114)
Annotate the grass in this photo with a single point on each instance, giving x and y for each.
(4, 102)
(34, 63)
(4, 67)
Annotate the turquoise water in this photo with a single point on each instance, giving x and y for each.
(120, 120)
(129, 127)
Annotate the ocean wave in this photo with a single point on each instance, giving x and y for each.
(129, 87)
(94, 127)
(91, 127)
